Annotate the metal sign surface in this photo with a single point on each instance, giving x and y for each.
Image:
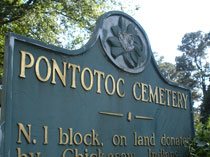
(107, 99)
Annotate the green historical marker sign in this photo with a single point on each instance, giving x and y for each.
(107, 99)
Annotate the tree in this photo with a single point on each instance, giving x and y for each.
(54, 22)
(184, 68)
(167, 69)
(64, 23)
(193, 64)
(205, 106)
(158, 59)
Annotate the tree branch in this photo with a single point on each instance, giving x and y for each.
(23, 9)
(196, 62)
(11, 20)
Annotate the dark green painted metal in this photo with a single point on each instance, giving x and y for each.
(30, 101)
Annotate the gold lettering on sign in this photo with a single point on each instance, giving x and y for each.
(118, 140)
(48, 69)
(57, 70)
(174, 99)
(144, 88)
(106, 84)
(162, 153)
(83, 79)
(144, 140)
(153, 96)
(168, 92)
(63, 136)
(77, 138)
(161, 94)
(26, 134)
(99, 75)
(73, 74)
(173, 141)
(180, 100)
(19, 154)
(141, 91)
(185, 100)
(85, 153)
(23, 64)
(87, 136)
(134, 90)
(118, 88)
(119, 155)
(45, 134)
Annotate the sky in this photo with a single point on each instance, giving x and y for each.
(166, 22)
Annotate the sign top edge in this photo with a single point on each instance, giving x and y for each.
(98, 35)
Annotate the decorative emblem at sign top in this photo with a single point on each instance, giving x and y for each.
(125, 43)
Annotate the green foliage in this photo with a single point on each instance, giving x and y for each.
(48, 20)
(200, 145)
(205, 106)
(64, 23)
(159, 59)
(169, 71)
(45, 20)
(193, 66)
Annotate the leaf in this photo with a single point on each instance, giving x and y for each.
(128, 60)
(122, 24)
(131, 29)
(114, 41)
(115, 30)
(134, 57)
(117, 51)
(207, 149)
(200, 143)
(137, 40)
(138, 49)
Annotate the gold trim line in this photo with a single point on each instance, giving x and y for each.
(142, 117)
(112, 114)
